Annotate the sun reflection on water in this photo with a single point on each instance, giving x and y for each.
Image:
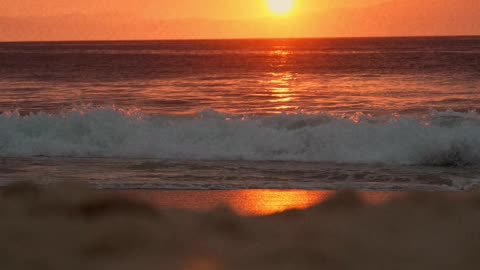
(280, 52)
(281, 93)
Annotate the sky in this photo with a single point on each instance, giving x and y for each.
(22, 20)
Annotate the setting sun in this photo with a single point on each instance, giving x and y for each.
(280, 7)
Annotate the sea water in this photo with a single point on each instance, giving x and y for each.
(363, 113)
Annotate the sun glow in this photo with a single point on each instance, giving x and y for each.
(280, 7)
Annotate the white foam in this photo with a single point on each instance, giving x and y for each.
(447, 138)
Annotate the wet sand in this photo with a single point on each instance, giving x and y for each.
(255, 202)
(71, 227)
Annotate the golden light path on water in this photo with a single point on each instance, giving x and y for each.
(281, 91)
(281, 84)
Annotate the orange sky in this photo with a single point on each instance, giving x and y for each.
(186, 19)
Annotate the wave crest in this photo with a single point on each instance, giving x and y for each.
(439, 138)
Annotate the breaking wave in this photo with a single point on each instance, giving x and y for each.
(439, 138)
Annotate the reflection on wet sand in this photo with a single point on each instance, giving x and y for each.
(245, 202)
(266, 202)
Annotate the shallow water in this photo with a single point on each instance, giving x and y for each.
(151, 174)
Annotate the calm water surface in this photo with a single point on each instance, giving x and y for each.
(383, 75)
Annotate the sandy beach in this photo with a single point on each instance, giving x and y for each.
(72, 227)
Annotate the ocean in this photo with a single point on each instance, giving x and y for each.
(374, 114)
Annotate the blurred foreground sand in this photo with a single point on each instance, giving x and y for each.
(70, 227)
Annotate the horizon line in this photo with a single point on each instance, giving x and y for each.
(239, 39)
